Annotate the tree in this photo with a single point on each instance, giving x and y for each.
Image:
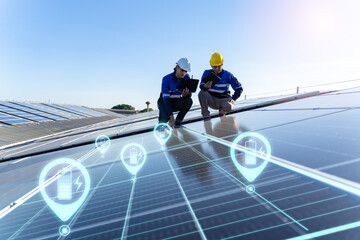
(123, 107)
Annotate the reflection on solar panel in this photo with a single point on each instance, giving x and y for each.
(191, 188)
(58, 108)
(69, 108)
(88, 110)
(30, 110)
(54, 111)
(8, 119)
(53, 114)
(66, 107)
(21, 114)
(83, 110)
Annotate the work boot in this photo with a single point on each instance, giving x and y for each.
(178, 124)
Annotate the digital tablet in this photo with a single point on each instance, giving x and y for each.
(191, 84)
(212, 77)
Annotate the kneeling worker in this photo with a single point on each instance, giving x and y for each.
(218, 96)
(171, 100)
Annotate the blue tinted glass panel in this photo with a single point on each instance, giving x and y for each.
(57, 115)
(46, 115)
(22, 114)
(190, 188)
(11, 119)
(90, 111)
(41, 112)
(54, 106)
(65, 107)
(84, 110)
(51, 110)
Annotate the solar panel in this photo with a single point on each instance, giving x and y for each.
(190, 187)
(64, 109)
(84, 110)
(54, 111)
(9, 119)
(347, 101)
(78, 109)
(22, 114)
(49, 112)
(30, 110)
(70, 109)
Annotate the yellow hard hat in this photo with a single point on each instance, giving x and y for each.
(216, 59)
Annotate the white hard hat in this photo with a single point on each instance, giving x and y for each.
(184, 63)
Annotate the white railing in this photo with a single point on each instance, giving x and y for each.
(341, 85)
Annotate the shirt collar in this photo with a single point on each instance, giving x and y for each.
(174, 77)
(220, 73)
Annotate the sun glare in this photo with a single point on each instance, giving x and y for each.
(321, 22)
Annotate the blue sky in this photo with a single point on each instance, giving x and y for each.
(103, 53)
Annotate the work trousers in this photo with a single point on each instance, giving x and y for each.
(182, 105)
(207, 100)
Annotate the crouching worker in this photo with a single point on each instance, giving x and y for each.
(171, 100)
(218, 96)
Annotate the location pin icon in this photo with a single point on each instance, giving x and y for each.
(133, 156)
(67, 184)
(250, 153)
(102, 143)
(162, 132)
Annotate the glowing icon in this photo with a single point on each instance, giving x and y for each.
(133, 157)
(162, 132)
(250, 153)
(250, 188)
(249, 158)
(67, 186)
(102, 143)
(64, 230)
(64, 188)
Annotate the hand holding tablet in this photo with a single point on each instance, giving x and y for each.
(212, 77)
(190, 84)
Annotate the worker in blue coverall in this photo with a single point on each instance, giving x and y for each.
(171, 100)
(218, 96)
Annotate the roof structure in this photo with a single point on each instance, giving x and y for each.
(24, 122)
(197, 185)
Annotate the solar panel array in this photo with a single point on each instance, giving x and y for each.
(190, 188)
(29, 110)
(12, 113)
(10, 119)
(83, 110)
(42, 108)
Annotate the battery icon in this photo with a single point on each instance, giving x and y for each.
(102, 143)
(163, 133)
(250, 159)
(133, 156)
(64, 186)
